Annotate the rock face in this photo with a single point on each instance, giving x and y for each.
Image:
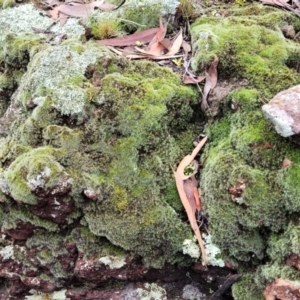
(284, 111)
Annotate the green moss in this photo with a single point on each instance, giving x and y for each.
(141, 17)
(17, 49)
(10, 219)
(23, 174)
(247, 289)
(8, 3)
(59, 136)
(260, 61)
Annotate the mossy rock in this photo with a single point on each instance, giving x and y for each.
(117, 139)
(252, 202)
(250, 46)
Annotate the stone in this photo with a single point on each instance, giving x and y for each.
(284, 111)
(282, 289)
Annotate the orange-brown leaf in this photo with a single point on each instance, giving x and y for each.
(189, 158)
(191, 214)
(130, 40)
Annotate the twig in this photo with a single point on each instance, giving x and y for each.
(226, 285)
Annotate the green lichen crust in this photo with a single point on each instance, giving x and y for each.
(113, 128)
(250, 46)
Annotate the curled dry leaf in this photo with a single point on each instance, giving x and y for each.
(190, 208)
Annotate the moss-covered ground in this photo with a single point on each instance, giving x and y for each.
(113, 129)
(252, 203)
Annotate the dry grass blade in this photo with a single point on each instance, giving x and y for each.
(130, 40)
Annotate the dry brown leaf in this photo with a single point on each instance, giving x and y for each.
(188, 186)
(130, 40)
(156, 49)
(189, 158)
(54, 13)
(190, 214)
(136, 56)
(177, 42)
(286, 163)
(187, 79)
(82, 10)
(190, 208)
(63, 19)
(213, 73)
(207, 89)
(166, 43)
(161, 33)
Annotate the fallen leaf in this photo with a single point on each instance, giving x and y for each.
(156, 49)
(160, 34)
(286, 163)
(166, 43)
(176, 44)
(213, 73)
(130, 40)
(189, 158)
(190, 214)
(83, 10)
(190, 208)
(192, 80)
(207, 89)
(188, 186)
(197, 198)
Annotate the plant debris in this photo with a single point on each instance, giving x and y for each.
(158, 47)
(188, 193)
(75, 8)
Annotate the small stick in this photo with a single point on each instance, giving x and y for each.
(226, 285)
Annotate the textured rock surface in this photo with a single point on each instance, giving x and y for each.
(284, 111)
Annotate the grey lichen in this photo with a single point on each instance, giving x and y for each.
(30, 17)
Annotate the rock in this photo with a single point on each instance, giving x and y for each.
(284, 111)
(282, 289)
(288, 31)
